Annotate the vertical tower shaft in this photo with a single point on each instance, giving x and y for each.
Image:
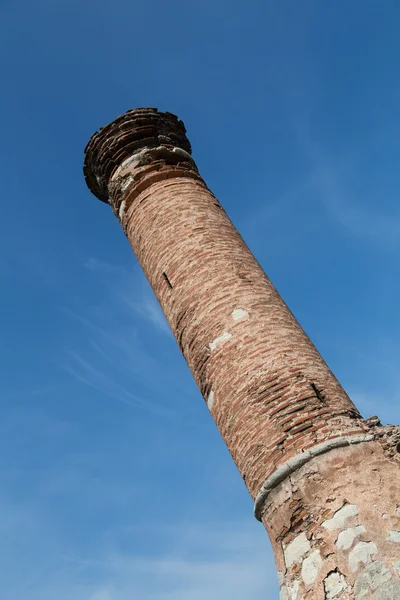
(273, 398)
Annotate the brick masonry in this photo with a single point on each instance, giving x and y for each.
(326, 482)
(272, 395)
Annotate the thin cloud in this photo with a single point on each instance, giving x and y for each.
(360, 220)
(149, 309)
(206, 560)
(331, 183)
(111, 352)
(90, 375)
(129, 288)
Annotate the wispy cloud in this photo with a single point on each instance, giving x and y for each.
(338, 200)
(202, 560)
(85, 372)
(148, 308)
(101, 370)
(132, 289)
(114, 352)
(334, 183)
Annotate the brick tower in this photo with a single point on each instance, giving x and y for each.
(325, 482)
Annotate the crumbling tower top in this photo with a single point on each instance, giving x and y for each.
(136, 130)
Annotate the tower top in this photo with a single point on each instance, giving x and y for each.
(129, 133)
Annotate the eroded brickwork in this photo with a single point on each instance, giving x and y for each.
(272, 393)
(335, 525)
(272, 396)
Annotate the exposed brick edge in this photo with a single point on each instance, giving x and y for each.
(143, 168)
(128, 133)
(301, 459)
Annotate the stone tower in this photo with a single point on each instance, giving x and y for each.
(325, 482)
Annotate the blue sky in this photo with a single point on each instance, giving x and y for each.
(115, 483)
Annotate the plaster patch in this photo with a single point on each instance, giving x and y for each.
(298, 461)
(340, 516)
(121, 211)
(334, 584)
(283, 592)
(296, 550)
(362, 553)
(126, 183)
(385, 516)
(210, 400)
(371, 578)
(240, 313)
(281, 578)
(294, 591)
(183, 153)
(346, 538)
(288, 592)
(219, 340)
(396, 564)
(388, 591)
(311, 566)
(128, 162)
(398, 511)
(145, 155)
(394, 536)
